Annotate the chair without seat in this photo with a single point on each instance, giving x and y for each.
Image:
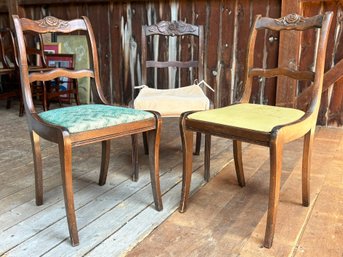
(270, 126)
(183, 61)
(10, 84)
(82, 124)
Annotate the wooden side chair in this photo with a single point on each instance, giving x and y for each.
(82, 124)
(10, 84)
(183, 61)
(264, 125)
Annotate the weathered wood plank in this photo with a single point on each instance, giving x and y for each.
(288, 57)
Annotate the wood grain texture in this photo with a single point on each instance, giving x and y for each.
(118, 31)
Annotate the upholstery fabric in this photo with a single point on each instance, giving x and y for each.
(172, 102)
(249, 116)
(92, 116)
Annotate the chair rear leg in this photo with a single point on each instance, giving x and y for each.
(37, 162)
(207, 174)
(76, 92)
(237, 154)
(197, 143)
(274, 191)
(153, 138)
(135, 167)
(8, 103)
(187, 147)
(306, 166)
(145, 143)
(67, 181)
(105, 160)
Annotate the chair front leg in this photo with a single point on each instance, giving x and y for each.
(37, 162)
(67, 181)
(274, 190)
(237, 154)
(134, 157)
(105, 160)
(306, 166)
(153, 138)
(187, 146)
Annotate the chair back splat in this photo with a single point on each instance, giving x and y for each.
(81, 124)
(266, 125)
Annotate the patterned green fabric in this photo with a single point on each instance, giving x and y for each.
(92, 116)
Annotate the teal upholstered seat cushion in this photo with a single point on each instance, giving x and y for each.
(92, 116)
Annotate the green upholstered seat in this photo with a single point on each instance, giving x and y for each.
(92, 116)
(249, 116)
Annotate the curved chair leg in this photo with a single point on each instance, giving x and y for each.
(135, 167)
(105, 160)
(207, 174)
(274, 191)
(187, 147)
(237, 154)
(37, 161)
(306, 166)
(67, 181)
(145, 143)
(153, 137)
(197, 143)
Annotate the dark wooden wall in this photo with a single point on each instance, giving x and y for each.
(331, 111)
(118, 30)
(117, 25)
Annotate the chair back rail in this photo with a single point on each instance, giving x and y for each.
(289, 22)
(52, 24)
(177, 30)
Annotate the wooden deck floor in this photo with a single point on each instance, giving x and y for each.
(222, 220)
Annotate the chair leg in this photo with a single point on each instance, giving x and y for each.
(21, 107)
(197, 143)
(105, 160)
(187, 147)
(37, 162)
(145, 143)
(8, 103)
(237, 154)
(76, 92)
(135, 167)
(274, 191)
(67, 181)
(207, 174)
(153, 138)
(306, 166)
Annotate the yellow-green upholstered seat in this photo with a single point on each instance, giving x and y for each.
(249, 116)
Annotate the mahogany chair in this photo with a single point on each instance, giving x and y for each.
(10, 85)
(265, 125)
(183, 60)
(82, 124)
(37, 61)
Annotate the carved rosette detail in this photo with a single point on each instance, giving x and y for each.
(52, 22)
(172, 28)
(291, 19)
